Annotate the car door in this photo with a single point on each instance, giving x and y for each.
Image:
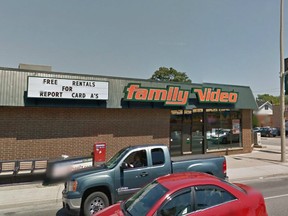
(159, 164)
(178, 203)
(130, 179)
(202, 200)
(229, 209)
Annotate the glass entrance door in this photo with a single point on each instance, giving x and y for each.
(187, 132)
(197, 132)
(186, 139)
(176, 132)
(176, 142)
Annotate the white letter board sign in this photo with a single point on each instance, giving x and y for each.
(43, 87)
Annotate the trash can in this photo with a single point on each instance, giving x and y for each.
(257, 139)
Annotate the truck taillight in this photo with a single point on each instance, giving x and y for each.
(224, 167)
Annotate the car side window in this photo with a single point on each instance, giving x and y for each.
(180, 204)
(209, 195)
(158, 157)
(136, 159)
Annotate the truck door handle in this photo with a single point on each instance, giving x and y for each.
(143, 174)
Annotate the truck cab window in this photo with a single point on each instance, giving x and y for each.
(158, 156)
(137, 159)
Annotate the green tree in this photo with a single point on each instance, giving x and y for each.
(275, 100)
(170, 74)
(255, 122)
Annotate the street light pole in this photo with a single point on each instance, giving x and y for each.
(282, 80)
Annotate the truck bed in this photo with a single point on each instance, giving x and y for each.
(211, 164)
(193, 157)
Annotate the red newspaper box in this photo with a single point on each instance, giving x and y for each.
(99, 152)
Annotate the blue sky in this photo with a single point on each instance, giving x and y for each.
(215, 41)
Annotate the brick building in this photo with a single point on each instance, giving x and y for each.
(277, 115)
(45, 114)
(264, 114)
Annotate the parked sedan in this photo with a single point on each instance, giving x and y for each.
(195, 194)
(266, 132)
(225, 136)
(275, 132)
(256, 129)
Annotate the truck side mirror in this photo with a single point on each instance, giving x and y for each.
(124, 165)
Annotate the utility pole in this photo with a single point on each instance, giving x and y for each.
(282, 85)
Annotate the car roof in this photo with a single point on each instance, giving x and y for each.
(186, 179)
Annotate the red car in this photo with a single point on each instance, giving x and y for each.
(195, 194)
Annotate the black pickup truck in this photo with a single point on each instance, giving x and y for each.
(92, 189)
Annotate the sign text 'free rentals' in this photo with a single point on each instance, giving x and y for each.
(40, 87)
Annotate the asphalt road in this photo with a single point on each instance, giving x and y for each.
(275, 191)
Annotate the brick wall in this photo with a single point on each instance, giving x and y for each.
(36, 133)
(33, 133)
(247, 138)
(277, 115)
(265, 120)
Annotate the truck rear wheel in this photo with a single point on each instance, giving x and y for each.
(95, 202)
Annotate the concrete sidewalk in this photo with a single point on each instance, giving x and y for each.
(261, 163)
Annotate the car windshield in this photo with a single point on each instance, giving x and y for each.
(141, 202)
(111, 163)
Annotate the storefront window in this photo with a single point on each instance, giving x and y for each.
(198, 130)
(223, 128)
